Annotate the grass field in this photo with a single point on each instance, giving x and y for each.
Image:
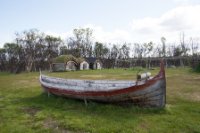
(24, 108)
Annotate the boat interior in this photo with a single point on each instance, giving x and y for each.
(87, 85)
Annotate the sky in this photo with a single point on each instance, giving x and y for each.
(112, 21)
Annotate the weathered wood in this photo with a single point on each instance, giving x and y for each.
(151, 92)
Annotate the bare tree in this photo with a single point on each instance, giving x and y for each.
(158, 51)
(194, 46)
(124, 51)
(52, 48)
(28, 39)
(169, 50)
(15, 57)
(148, 47)
(163, 40)
(138, 50)
(183, 44)
(2, 59)
(183, 47)
(100, 50)
(115, 52)
(82, 42)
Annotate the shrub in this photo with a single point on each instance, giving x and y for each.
(197, 68)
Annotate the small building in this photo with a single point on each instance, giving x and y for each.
(94, 63)
(70, 63)
(58, 67)
(64, 63)
(84, 65)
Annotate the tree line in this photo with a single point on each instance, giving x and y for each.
(32, 49)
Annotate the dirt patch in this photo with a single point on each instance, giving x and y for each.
(50, 123)
(31, 110)
(196, 78)
(92, 76)
(25, 83)
(193, 79)
(144, 125)
(194, 96)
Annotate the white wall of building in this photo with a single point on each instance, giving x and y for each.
(98, 65)
(84, 65)
(71, 65)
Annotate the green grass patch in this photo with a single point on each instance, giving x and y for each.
(25, 108)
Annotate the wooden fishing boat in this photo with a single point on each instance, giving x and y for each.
(149, 92)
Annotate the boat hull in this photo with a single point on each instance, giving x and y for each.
(150, 94)
(147, 93)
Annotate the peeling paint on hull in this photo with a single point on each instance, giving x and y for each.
(151, 93)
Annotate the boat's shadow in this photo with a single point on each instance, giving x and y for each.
(60, 105)
(55, 103)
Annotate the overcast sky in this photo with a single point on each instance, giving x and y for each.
(111, 20)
